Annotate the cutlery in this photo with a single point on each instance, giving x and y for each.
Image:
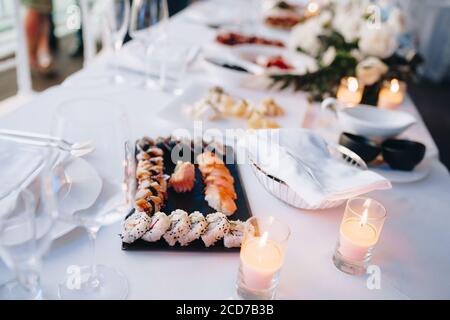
(76, 152)
(237, 65)
(144, 74)
(44, 137)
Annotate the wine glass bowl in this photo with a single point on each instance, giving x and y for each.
(107, 127)
(117, 16)
(148, 25)
(26, 232)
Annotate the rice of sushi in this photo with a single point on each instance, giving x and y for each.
(159, 225)
(135, 226)
(218, 226)
(198, 226)
(233, 238)
(179, 226)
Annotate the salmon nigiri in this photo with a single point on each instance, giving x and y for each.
(183, 177)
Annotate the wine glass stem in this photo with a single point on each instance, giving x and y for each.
(148, 52)
(92, 242)
(29, 277)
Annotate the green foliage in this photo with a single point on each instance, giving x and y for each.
(323, 82)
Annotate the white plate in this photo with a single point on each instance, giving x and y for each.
(398, 176)
(85, 187)
(301, 62)
(294, 105)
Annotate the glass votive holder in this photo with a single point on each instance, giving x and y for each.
(350, 91)
(358, 234)
(392, 94)
(262, 256)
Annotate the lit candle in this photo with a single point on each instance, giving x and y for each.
(391, 94)
(358, 234)
(356, 237)
(312, 9)
(261, 259)
(350, 91)
(262, 255)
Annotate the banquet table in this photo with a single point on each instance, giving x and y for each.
(413, 252)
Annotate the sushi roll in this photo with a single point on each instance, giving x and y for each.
(159, 225)
(233, 238)
(144, 143)
(183, 177)
(218, 226)
(198, 226)
(179, 227)
(135, 226)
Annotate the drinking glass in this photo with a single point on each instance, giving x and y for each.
(117, 15)
(262, 256)
(358, 234)
(106, 125)
(26, 221)
(175, 57)
(148, 25)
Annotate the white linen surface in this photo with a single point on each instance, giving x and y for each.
(412, 252)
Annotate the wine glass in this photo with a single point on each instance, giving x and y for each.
(106, 125)
(117, 15)
(148, 25)
(26, 223)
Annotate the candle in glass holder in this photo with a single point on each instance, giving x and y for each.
(312, 9)
(262, 256)
(391, 94)
(358, 234)
(261, 259)
(350, 91)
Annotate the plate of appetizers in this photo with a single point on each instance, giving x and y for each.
(275, 60)
(234, 38)
(235, 108)
(189, 196)
(249, 64)
(285, 15)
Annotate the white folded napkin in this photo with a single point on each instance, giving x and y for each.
(284, 154)
(17, 165)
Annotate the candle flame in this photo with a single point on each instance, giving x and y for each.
(352, 84)
(395, 85)
(312, 7)
(262, 242)
(364, 217)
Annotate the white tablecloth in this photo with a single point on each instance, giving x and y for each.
(413, 252)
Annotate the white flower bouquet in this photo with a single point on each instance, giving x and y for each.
(352, 38)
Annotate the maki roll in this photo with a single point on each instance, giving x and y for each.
(179, 226)
(234, 237)
(135, 226)
(218, 226)
(159, 225)
(198, 226)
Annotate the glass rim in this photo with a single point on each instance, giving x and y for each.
(288, 230)
(369, 218)
(67, 101)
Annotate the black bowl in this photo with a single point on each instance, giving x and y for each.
(402, 154)
(363, 147)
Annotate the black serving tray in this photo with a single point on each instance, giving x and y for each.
(195, 201)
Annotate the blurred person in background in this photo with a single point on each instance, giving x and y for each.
(37, 29)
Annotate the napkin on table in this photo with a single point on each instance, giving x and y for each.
(277, 151)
